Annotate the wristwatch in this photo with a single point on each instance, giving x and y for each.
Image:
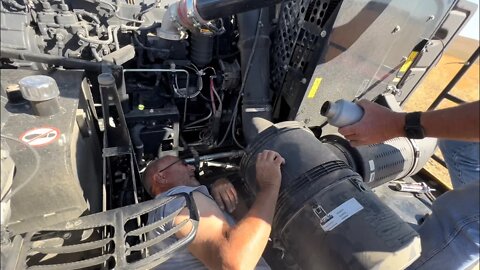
(413, 128)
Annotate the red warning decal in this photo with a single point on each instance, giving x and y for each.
(40, 136)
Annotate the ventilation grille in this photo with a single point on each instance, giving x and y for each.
(295, 50)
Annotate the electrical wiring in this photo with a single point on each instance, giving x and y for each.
(220, 103)
(202, 119)
(195, 67)
(30, 177)
(211, 68)
(211, 95)
(185, 94)
(240, 93)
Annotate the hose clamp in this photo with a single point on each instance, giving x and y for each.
(417, 153)
(191, 19)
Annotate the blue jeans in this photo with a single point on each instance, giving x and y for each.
(462, 160)
(450, 235)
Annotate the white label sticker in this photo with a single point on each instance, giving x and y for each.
(340, 214)
(372, 165)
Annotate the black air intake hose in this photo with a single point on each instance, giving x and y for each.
(256, 101)
(201, 51)
(325, 215)
(380, 163)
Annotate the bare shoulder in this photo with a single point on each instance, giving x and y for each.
(211, 230)
(206, 208)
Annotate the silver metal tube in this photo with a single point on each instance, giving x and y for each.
(96, 40)
(231, 154)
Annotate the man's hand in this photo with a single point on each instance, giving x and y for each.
(225, 194)
(268, 170)
(378, 124)
(220, 246)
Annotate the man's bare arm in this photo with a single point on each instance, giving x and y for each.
(220, 246)
(458, 123)
(380, 124)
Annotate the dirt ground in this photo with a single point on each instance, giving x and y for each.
(466, 89)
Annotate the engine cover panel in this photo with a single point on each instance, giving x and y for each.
(56, 191)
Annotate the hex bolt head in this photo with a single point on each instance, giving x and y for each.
(396, 29)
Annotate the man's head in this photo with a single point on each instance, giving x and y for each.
(168, 172)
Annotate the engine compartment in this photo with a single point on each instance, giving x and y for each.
(139, 80)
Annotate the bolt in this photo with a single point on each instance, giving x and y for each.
(323, 33)
(304, 80)
(394, 90)
(430, 18)
(396, 29)
(67, 235)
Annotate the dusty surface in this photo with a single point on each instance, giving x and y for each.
(466, 89)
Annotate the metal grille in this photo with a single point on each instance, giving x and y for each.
(295, 39)
(104, 240)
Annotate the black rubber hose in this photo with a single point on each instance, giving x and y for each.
(214, 9)
(56, 60)
(201, 49)
(137, 141)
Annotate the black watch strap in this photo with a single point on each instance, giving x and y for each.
(413, 127)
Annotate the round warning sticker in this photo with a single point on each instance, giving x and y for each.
(40, 136)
